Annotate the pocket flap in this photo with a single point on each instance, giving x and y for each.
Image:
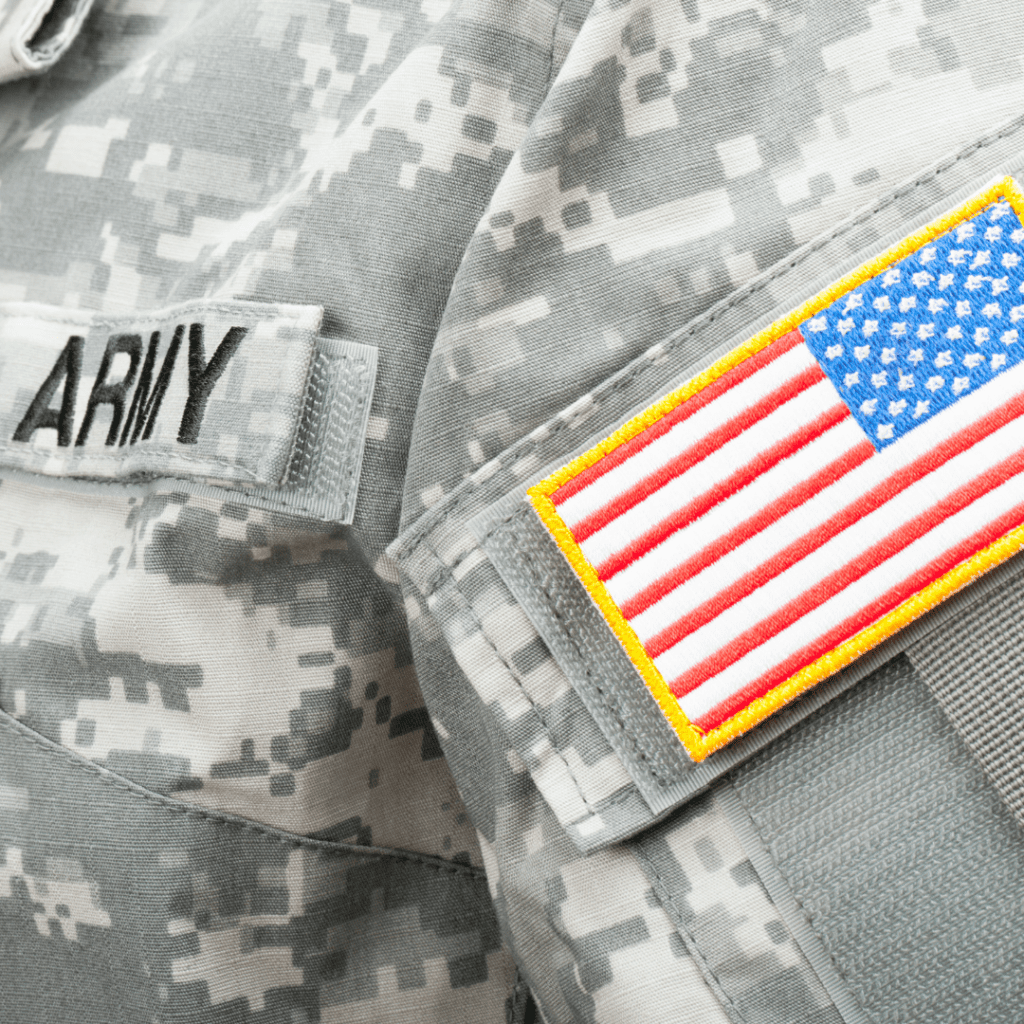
(842, 463)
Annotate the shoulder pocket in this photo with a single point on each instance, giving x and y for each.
(724, 536)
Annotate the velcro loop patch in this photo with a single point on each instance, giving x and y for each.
(229, 394)
(819, 487)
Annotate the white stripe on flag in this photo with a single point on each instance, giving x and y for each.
(729, 514)
(843, 548)
(722, 463)
(813, 513)
(775, 587)
(857, 596)
(686, 434)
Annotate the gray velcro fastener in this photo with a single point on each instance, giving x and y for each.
(975, 670)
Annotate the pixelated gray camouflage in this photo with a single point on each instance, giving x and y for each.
(638, 279)
(680, 173)
(121, 905)
(222, 796)
(243, 660)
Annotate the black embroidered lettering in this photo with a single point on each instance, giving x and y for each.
(112, 394)
(202, 376)
(145, 406)
(39, 415)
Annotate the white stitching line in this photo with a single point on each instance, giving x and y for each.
(668, 901)
(267, 832)
(439, 581)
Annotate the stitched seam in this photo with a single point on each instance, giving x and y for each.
(517, 1002)
(439, 581)
(444, 572)
(535, 708)
(620, 797)
(668, 901)
(510, 1012)
(610, 801)
(606, 702)
(215, 818)
(443, 578)
(551, 57)
(796, 899)
(459, 497)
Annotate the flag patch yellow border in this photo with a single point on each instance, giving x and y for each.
(700, 743)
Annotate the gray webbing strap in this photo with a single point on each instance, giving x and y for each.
(975, 669)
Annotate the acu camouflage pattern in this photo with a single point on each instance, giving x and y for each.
(682, 930)
(680, 170)
(221, 794)
(236, 657)
(177, 913)
(539, 322)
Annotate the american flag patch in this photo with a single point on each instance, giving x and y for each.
(819, 487)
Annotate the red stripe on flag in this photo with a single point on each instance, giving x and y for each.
(851, 626)
(842, 520)
(681, 412)
(724, 489)
(708, 444)
(836, 582)
(798, 495)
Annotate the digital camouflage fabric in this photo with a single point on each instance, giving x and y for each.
(287, 746)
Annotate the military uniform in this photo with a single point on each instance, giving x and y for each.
(302, 718)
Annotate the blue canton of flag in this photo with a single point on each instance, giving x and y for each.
(934, 326)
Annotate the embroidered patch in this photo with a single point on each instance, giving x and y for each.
(226, 393)
(819, 487)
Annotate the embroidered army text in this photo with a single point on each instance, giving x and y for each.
(148, 396)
